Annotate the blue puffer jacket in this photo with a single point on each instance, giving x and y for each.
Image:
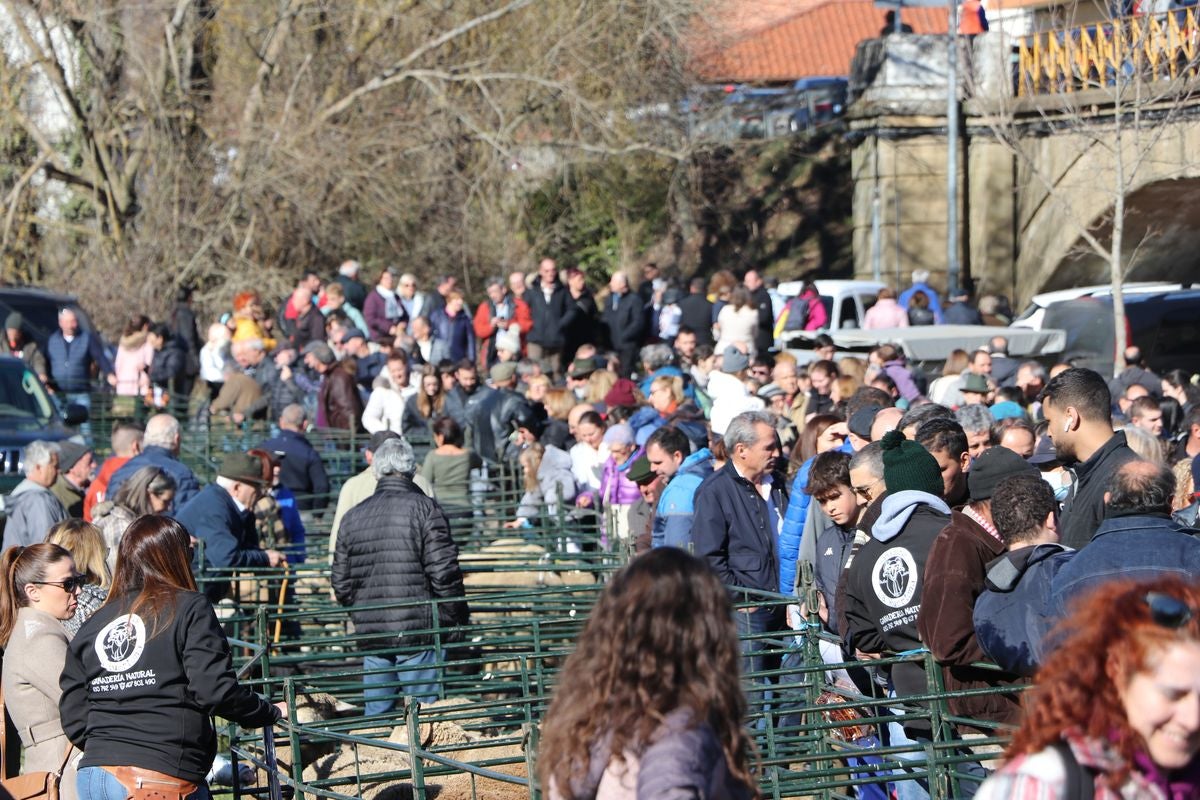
(673, 520)
(793, 528)
(792, 537)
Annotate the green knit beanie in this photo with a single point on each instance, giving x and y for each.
(908, 467)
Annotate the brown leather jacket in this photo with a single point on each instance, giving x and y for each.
(338, 399)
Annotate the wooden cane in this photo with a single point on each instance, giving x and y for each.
(279, 609)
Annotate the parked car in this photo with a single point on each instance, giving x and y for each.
(1165, 325)
(27, 413)
(1035, 313)
(846, 301)
(40, 308)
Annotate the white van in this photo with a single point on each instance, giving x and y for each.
(846, 301)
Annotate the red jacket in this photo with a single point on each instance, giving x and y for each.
(485, 329)
(95, 492)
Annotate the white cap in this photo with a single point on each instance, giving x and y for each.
(726, 408)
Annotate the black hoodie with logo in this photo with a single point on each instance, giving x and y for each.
(136, 696)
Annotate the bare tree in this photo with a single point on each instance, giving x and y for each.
(233, 144)
(1117, 85)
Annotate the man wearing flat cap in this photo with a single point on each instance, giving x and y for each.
(221, 517)
(367, 364)
(495, 414)
(76, 465)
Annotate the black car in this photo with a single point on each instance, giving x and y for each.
(27, 413)
(40, 309)
(1164, 325)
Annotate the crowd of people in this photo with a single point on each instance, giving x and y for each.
(969, 514)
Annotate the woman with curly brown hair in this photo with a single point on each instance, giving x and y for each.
(1117, 702)
(650, 703)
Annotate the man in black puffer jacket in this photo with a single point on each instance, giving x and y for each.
(395, 548)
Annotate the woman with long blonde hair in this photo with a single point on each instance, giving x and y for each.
(85, 543)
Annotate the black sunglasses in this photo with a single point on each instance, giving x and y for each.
(70, 585)
(1168, 611)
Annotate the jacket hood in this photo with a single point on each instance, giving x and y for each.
(698, 463)
(133, 341)
(555, 458)
(897, 508)
(27, 486)
(1005, 572)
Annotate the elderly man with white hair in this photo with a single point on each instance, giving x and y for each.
(393, 560)
(160, 448)
(32, 508)
(352, 288)
(920, 283)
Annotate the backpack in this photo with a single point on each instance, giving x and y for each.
(1081, 780)
(795, 314)
(920, 316)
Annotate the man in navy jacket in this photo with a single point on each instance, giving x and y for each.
(160, 448)
(738, 517)
(301, 469)
(222, 517)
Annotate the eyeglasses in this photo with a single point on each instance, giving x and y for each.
(1168, 611)
(865, 491)
(71, 585)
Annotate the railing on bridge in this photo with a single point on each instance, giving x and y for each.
(1159, 47)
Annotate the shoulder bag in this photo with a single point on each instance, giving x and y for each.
(32, 785)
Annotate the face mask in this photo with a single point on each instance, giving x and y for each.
(580, 392)
(1055, 479)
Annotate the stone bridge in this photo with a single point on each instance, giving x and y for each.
(1041, 121)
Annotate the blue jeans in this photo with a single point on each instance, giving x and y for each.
(97, 783)
(918, 789)
(914, 788)
(419, 680)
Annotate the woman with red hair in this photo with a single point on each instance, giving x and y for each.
(248, 316)
(1116, 703)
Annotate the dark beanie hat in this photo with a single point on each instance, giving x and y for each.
(908, 467)
(991, 467)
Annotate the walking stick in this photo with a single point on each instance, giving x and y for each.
(279, 608)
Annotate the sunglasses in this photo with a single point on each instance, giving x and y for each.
(70, 585)
(1168, 611)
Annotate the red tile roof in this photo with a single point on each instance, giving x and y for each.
(819, 39)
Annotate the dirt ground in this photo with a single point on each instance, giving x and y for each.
(348, 760)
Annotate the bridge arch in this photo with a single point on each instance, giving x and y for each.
(1161, 209)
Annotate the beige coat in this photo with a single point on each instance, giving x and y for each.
(33, 661)
(357, 489)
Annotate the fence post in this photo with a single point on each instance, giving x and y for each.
(289, 694)
(416, 764)
(941, 775)
(264, 641)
